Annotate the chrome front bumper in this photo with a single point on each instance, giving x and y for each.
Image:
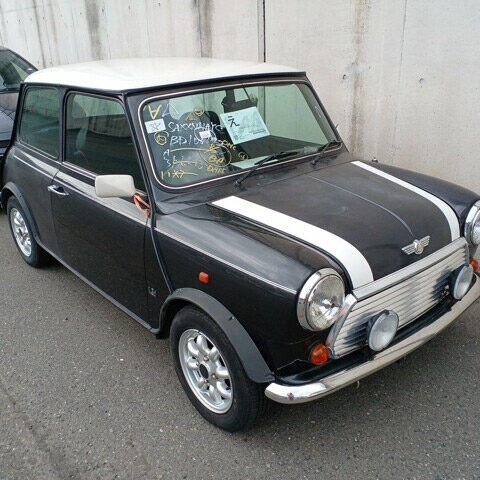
(306, 393)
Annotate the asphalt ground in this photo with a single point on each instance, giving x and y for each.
(87, 393)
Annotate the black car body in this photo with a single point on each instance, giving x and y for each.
(13, 70)
(301, 271)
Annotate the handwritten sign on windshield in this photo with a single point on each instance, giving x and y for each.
(244, 125)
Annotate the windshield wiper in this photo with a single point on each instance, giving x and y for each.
(257, 165)
(322, 149)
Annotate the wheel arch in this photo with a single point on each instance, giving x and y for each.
(5, 194)
(252, 360)
(12, 190)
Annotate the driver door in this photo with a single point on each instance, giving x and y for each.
(103, 240)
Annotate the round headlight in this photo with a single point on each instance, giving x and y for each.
(461, 281)
(472, 225)
(382, 329)
(321, 300)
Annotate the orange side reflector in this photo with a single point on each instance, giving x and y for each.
(319, 355)
(203, 277)
(474, 264)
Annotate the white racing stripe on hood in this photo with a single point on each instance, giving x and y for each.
(354, 262)
(444, 207)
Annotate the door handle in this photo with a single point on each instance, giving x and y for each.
(57, 190)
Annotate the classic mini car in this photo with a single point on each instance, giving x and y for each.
(216, 204)
(13, 70)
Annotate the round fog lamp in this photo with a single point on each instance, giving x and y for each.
(382, 329)
(461, 281)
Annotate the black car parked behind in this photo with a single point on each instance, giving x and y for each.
(13, 70)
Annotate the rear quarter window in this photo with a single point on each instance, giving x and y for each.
(40, 119)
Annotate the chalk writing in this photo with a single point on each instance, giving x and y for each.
(154, 112)
(187, 144)
(161, 138)
(176, 174)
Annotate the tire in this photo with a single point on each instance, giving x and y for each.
(247, 402)
(22, 234)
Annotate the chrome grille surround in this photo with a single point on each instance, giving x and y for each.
(410, 292)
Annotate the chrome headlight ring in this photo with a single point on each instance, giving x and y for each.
(320, 300)
(472, 225)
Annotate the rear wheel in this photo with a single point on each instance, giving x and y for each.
(21, 231)
(211, 372)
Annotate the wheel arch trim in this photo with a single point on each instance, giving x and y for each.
(11, 189)
(251, 358)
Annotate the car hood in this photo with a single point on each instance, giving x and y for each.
(356, 214)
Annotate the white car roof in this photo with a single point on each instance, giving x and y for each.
(139, 73)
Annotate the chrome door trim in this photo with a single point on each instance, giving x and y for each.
(16, 157)
(77, 169)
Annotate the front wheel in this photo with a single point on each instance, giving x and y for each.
(211, 372)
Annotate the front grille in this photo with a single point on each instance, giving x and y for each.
(410, 299)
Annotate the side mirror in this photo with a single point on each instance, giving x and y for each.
(109, 186)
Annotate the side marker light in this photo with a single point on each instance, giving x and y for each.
(203, 277)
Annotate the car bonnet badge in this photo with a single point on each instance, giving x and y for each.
(418, 246)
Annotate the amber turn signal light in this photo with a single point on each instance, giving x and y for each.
(203, 277)
(474, 264)
(319, 355)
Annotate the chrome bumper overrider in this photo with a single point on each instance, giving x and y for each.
(312, 391)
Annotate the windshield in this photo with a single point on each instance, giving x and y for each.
(13, 71)
(203, 136)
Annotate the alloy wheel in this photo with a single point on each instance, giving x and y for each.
(205, 371)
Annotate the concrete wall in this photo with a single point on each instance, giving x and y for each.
(51, 32)
(401, 77)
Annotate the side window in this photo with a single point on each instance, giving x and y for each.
(39, 124)
(98, 138)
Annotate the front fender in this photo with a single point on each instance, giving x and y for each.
(458, 198)
(252, 360)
